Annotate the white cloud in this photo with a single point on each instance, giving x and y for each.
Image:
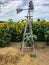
(39, 9)
(2, 0)
(10, 6)
(40, 2)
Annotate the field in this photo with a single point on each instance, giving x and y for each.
(12, 55)
(11, 35)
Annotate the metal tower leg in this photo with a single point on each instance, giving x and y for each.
(33, 46)
(24, 36)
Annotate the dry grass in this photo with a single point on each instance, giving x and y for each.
(9, 56)
(13, 56)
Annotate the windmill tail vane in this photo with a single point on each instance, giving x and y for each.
(19, 10)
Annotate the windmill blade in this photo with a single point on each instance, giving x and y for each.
(19, 10)
(31, 6)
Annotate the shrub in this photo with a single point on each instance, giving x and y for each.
(5, 37)
(19, 31)
(47, 37)
(39, 29)
(14, 31)
(30, 39)
(33, 55)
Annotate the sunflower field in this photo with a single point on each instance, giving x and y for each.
(13, 31)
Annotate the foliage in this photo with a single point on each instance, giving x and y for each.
(40, 28)
(33, 55)
(19, 31)
(47, 37)
(13, 31)
(16, 30)
(5, 36)
(30, 38)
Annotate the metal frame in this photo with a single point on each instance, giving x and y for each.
(30, 26)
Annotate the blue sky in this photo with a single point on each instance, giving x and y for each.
(8, 9)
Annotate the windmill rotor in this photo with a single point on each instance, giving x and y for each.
(31, 6)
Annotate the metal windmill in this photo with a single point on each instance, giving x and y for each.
(28, 23)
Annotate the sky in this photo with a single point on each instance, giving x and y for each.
(8, 9)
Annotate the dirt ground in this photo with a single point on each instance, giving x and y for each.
(42, 54)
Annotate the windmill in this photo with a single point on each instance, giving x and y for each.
(28, 23)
